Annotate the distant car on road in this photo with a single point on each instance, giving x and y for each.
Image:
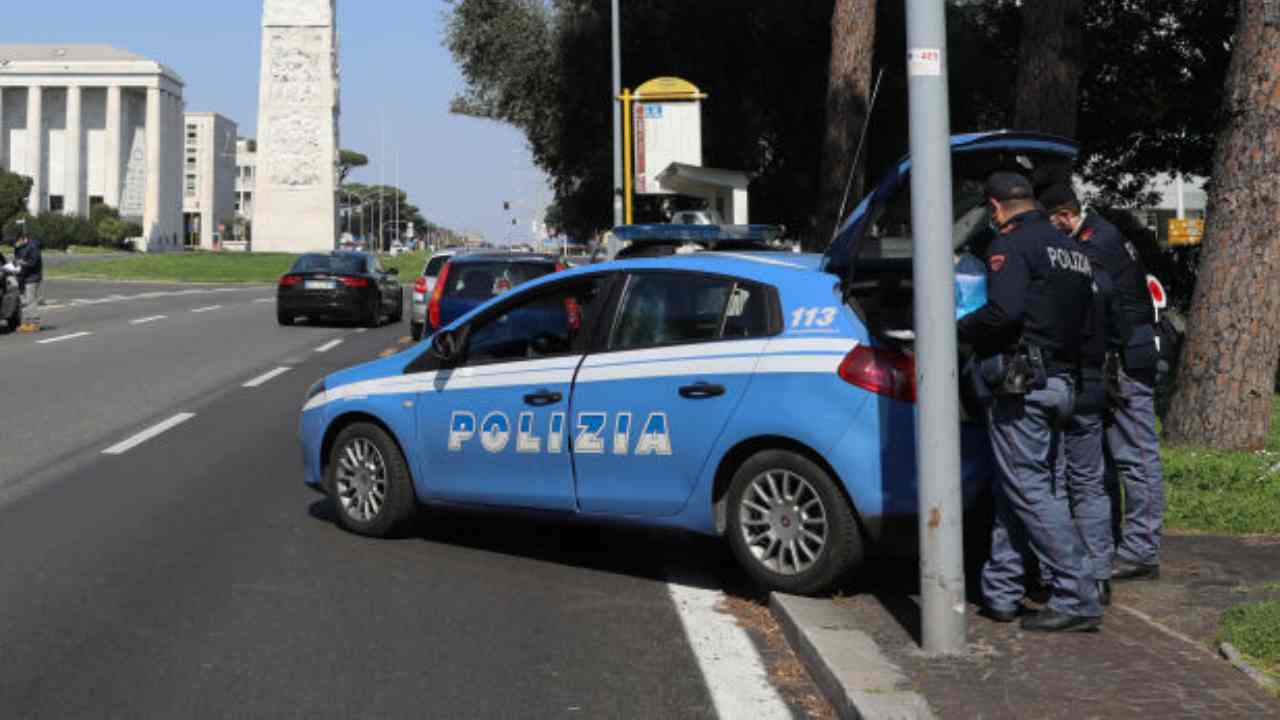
(340, 285)
(398, 248)
(422, 288)
(659, 240)
(696, 217)
(468, 281)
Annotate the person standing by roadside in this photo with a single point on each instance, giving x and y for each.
(26, 255)
(1027, 340)
(1131, 441)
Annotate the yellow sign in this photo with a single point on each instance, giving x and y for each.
(669, 88)
(1185, 232)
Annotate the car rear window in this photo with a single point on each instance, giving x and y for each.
(434, 264)
(484, 280)
(338, 264)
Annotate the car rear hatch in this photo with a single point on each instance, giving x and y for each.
(873, 248)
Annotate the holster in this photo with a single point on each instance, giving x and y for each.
(1111, 372)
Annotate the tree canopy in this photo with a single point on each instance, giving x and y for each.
(349, 160)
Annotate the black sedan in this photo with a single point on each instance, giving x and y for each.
(339, 286)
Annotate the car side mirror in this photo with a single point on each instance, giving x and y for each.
(445, 346)
(393, 271)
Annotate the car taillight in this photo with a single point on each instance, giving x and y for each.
(884, 372)
(433, 309)
(354, 282)
(420, 285)
(290, 280)
(561, 266)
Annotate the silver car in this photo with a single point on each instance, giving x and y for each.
(422, 289)
(10, 302)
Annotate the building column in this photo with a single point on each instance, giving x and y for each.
(4, 136)
(35, 147)
(74, 157)
(114, 142)
(152, 211)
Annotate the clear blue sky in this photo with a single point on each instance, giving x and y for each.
(457, 170)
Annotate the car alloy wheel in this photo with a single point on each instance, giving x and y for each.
(783, 522)
(361, 480)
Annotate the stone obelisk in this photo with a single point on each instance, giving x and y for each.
(294, 208)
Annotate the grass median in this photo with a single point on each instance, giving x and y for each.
(1222, 491)
(206, 267)
(1254, 630)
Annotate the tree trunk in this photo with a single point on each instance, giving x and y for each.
(1227, 376)
(853, 30)
(1050, 60)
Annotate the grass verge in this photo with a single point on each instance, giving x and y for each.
(1222, 491)
(209, 267)
(1254, 629)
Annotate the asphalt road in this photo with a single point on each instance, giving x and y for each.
(191, 574)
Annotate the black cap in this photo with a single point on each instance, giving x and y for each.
(1005, 186)
(1059, 196)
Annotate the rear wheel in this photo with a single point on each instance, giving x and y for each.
(369, 482)
(283, 317)
(15, 318)
(790, 526)
(373, 315)
(399, 313)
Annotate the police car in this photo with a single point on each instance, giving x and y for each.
(764, 397)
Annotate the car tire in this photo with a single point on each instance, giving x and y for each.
(415, 331)
(373, 316)
(372, 494)
(14, 321)
(283, 317)
(774, 539)
(399, 316)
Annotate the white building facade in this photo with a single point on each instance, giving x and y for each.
(208, 180)
(246, 177)
(94, 124)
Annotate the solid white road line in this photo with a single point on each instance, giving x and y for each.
(211, 308)
(145, 320)
(72, 336)
(145, 435)
(329, 346)
(733, 670)
(264, 378)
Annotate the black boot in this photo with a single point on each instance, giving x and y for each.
(1104, 592)
(1125, 570)
(1053, 621)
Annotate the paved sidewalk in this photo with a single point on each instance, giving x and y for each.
(1133, 668)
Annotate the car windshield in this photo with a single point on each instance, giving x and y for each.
(483, 280)
(434, 264)
(340, 264)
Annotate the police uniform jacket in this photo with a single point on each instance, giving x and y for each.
(29, 262)
(1108, 250)
(1108, 328)
(1039, 291)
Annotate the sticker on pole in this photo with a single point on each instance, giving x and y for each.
(924, 62)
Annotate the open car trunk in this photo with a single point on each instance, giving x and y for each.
(873, 249)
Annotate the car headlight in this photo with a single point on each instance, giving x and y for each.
(316, 388)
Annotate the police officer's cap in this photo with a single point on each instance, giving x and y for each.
(1059, 196)
(1006, 186)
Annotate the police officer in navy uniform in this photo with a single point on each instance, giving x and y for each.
(1027, 340)
(1081, 465)
(1131, 441)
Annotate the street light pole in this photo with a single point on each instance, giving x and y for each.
(617, 119)
(942, 597)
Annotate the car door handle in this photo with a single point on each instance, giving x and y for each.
(701, 390)
(543, 397)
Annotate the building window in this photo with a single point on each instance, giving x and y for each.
(96, 200)
(56, 203)
(191, 185)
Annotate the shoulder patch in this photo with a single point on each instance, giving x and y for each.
(1086, 235)
(996, 262)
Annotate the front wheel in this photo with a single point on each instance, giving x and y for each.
(369, 481)
(790, 526)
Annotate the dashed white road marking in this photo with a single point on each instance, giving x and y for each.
(151, 432)
(211, 308)
(265, 300)
(61, 338)
(730, 664)
(329, 346)
(362, 331)
(264, 378)
(145, 320)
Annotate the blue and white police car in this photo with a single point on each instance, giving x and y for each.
(764, 397)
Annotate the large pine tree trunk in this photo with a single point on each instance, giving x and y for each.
(1050, 59)
(1227, 375)
(853, 30)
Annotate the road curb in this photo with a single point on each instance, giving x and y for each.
(845, 662)
(1234, 657)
